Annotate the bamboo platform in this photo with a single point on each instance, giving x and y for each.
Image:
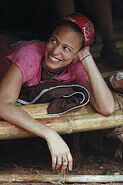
(79, 120)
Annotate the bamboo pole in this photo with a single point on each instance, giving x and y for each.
(58, 179)
(38, 111)
(67, 124)
(78, 120)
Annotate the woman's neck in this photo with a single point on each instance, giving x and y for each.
(50, 74)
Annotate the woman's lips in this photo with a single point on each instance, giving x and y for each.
(54, 59)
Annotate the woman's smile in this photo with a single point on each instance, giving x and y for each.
(54, 59)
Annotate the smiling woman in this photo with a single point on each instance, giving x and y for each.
(62, 48)
(64, 58)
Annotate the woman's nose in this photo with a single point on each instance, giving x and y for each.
(56, 50)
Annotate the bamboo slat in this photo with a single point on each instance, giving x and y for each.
(79, 120)
(38, 111)
(58, 179)
(67, 124)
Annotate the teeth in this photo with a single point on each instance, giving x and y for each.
(54, 59)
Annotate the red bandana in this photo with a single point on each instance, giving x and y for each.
(86, 27)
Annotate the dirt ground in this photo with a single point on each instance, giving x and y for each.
(94, 154)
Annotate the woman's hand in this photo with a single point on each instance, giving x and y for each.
(61, 156)
(83, 53)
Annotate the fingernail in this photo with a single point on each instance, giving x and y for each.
(70, 168)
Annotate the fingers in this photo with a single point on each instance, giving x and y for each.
(62, 163)
(65, 163)
(59, 163)
(83, 53)
(54, 161)
(70, 164)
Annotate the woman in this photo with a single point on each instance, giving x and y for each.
(65, 57)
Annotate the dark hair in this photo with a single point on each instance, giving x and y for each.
(71, 25)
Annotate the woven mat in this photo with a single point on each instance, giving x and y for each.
(118, 101)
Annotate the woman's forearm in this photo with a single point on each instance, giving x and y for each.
(58, 148)
(103, 98)
(20, 118)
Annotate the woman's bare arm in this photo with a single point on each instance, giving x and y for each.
(101, 96)
(9, 91)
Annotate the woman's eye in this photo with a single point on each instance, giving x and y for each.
(66, 49)
(53, 40)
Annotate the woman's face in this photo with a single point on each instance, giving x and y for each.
(62, 48)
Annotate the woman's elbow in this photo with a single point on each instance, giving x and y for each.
(108, 110)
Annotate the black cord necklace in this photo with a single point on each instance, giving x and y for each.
(52, 75)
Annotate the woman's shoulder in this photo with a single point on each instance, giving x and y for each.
(27, 56)
(29, 45)
(27, 49)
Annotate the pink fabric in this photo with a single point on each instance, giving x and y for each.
(29, 56)
(5, 49)
(75, 72)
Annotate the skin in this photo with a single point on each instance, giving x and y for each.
(61, 50)
(99, 90)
